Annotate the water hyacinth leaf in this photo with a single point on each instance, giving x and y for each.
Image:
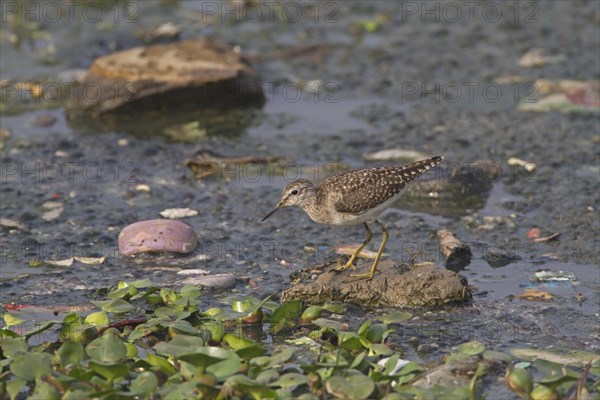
(161, 363)
(168, 295)
(334, 307)
(132, 350)
(70, 353)
(310, 314)
(12, 320)
(395, 317)
(290, 380)
(190, 292)
(185, 390)
(99, 319)
(355, 386)
(377, 333)
(181, 327)
(379, 349)
(267, 376)
(142, 283)
(200, 360)
(493, 355)
(519, 380)
(14, 387)
(117, 306)
(327, 323)
(215, 330)
(180, 344)
(12, 347)
(554, 373)
(31, 366)
(246, 385)
(237, 342)
(351, 341)
(281, 357)
(410, 368)
(358, 359)
(220, 362)
(123, 293)
(143, 384)
(168, 313)
(251, 352)
(471, 348)
(45, 391)
(108, 348)
(286, 315)
(364, 328)
(108, 371)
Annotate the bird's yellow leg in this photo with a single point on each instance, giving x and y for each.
(371, 273)
(350, 262)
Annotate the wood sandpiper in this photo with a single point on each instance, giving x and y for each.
(354, 197)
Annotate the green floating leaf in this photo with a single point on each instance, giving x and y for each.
(14, 387)
(125, 292)
(70, 353)
(327, 323)
(281, 357)
(356, 386)
(161, 363)
(99, 319)
(200, 359)
(237, 342)
(497, 356)
(249, 387)
(250, 352)
(310, 314)
(109, 371)
(108, 348)
(471, 348)
(180, 344)
(215, 329)
(190, 292)
(115, 306)
(554, 373)
(142, 283)
(44, 391)
(12, 347)
(334, 307)
(395, 317)
(31, 366)
(289, 380)
(286, 315)
(143, 384)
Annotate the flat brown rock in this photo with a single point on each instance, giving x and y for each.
(190, 73)
(420, 286)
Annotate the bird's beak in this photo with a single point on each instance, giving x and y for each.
(273, 211)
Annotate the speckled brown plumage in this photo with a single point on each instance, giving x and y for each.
(361, 190)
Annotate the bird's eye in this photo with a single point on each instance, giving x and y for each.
(294, 192)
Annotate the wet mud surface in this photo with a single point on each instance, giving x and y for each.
(365, 102)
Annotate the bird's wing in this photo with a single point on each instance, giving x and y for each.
(371, 187)
(367, 191)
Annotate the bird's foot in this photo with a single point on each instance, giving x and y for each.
(348, 264)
